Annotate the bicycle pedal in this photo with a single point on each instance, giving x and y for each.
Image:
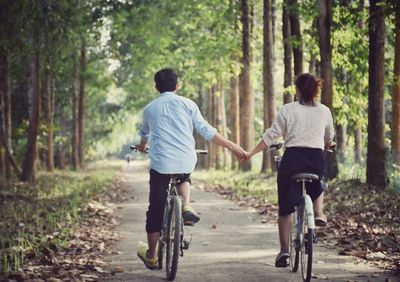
(185, 245)
(188, 223)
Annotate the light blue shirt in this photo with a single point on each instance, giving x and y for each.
(168, 123)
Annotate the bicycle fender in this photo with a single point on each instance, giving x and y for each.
(309, 209)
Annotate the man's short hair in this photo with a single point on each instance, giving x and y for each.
(166, 80)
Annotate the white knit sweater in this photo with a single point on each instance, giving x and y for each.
(301, 126)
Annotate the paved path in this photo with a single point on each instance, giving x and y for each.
(229, 244)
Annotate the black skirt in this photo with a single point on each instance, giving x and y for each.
(297, 160)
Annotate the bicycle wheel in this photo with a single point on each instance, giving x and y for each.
(294, 246)
(306, 249)
(173, 238)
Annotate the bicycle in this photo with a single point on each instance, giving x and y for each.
(172, 241)
(302, 235)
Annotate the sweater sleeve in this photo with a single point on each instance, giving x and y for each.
(329, 131)
(277, 129)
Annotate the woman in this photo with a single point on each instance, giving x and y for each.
(307, 129)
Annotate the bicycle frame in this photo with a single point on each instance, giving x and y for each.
(308, 208)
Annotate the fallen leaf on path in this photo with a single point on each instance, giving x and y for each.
(319, 276)
(118, 269)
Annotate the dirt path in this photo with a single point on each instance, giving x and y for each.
(229, 244)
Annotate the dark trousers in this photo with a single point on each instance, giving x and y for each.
(158, 192)
(297, 160)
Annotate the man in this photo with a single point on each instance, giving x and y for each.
(168, 124)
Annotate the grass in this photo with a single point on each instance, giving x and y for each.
(254, 184)
(34, 217)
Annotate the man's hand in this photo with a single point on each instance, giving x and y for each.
(141, 147)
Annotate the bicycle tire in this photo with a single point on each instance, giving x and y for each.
(306, 250)
(173, 238)
(294, 246)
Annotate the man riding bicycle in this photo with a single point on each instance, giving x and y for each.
(168, 124)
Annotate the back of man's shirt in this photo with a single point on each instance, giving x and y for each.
(169, 121)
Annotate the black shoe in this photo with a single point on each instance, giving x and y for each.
(281, 260)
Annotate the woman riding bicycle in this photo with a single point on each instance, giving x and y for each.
(307, 129)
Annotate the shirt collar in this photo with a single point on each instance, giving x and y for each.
(167, 93)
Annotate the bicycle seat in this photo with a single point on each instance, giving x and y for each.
(304, 177)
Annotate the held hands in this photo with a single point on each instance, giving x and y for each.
(238, 151)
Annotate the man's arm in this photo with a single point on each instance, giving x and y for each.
(236, 149)
(144, 133)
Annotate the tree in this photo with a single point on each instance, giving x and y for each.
(48, 99)
(324, 30)
(75, 123)
(28, 166)
(296, 35)
(287, 57)
(81, 102)
(234, 114)
(245, 84)
(268, 78)
(5, 93)
(396, 92)
(376, 154)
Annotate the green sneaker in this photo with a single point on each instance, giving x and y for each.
(190, 217)
(142, 254)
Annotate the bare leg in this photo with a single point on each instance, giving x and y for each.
(319, 204)
(284, 224)
(152, 239)
(184, 191)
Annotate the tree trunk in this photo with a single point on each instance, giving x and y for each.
(81, 105)
(5, 96)
(341, 137)
(357, 130)
(396, 93)
(357, 145)
(312, 67)
(48, 106)
(28, 167)
(376, 155)
(200, 142)
(324, 30)
(246, 95)
(75, 126)
(60, 154)
(234, 114)
(2, 150)
(287, 58)
(268, 79)
(210, 118)
(224, 132)
(5, 92)
(296, 35)
(217, 124)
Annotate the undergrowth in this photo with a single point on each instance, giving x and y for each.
(42, 215)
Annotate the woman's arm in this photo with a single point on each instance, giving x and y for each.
(261, 146)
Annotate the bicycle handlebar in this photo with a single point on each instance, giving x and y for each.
(276, 146)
